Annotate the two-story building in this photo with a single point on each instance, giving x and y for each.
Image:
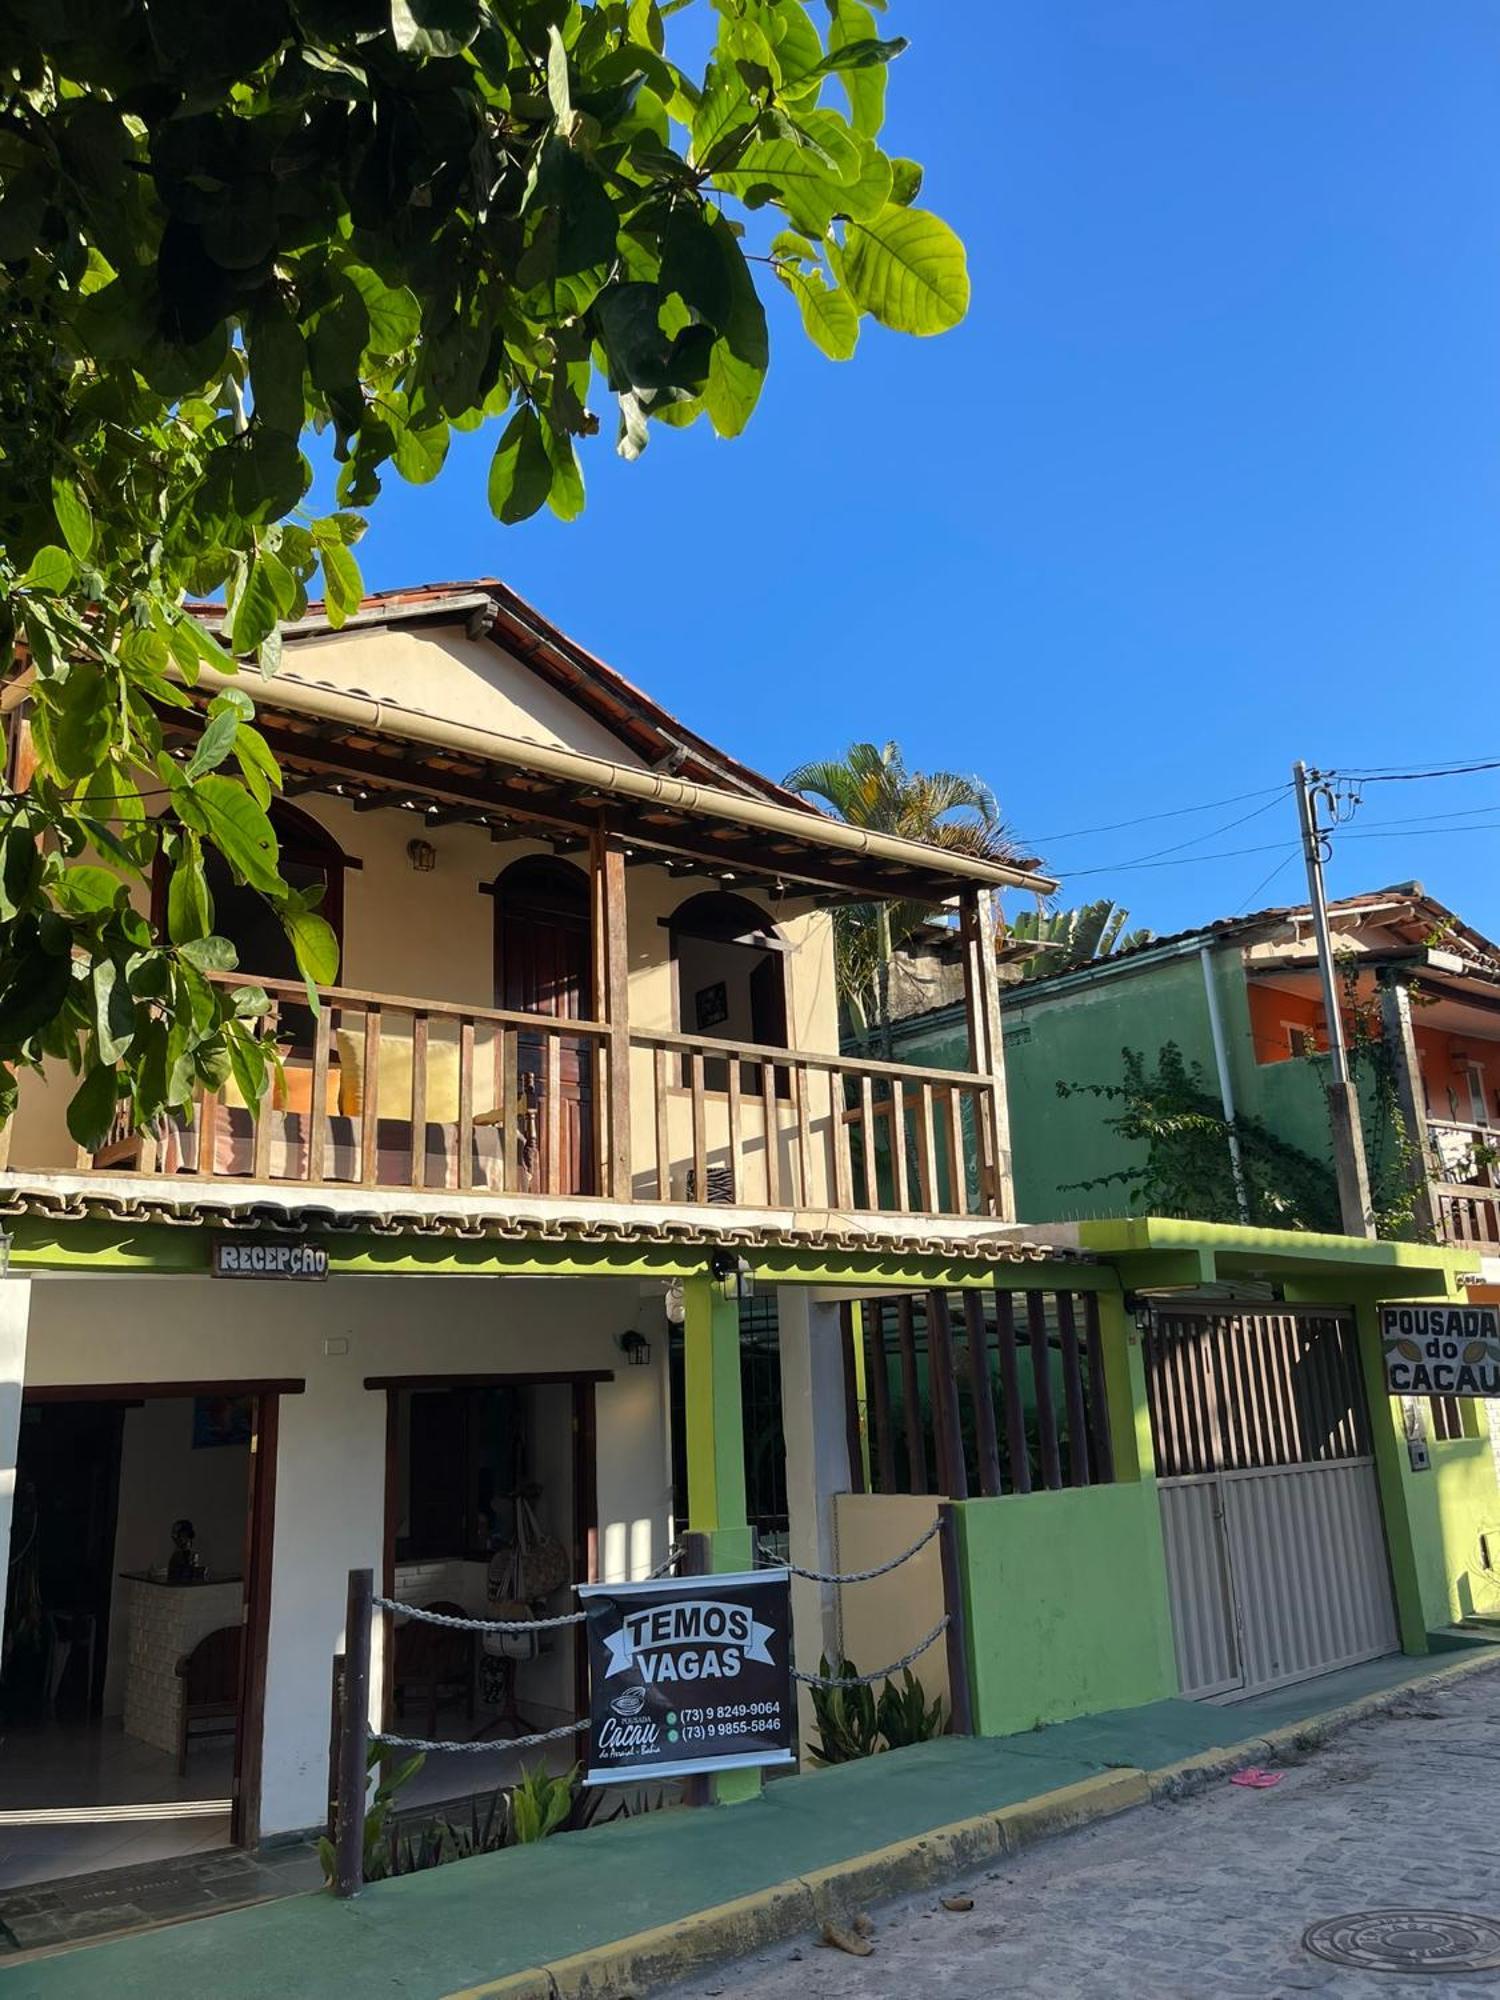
(581, 1072)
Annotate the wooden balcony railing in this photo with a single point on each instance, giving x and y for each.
(746, 1122)
(1465, 1170)
(381, 1091)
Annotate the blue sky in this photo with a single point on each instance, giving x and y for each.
(1209, 479)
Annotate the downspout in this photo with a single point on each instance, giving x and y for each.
(1226, 1088)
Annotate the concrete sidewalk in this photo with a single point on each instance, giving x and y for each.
(552, 1919)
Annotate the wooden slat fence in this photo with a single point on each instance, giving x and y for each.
(983, 1392)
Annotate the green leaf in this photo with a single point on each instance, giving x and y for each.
(906, 182)
(395, 314)
(114, 1011)
(557, 78)
(565, 495)
(91, 1114)
(829, 314)
(521, 472)
(433, 27)
(73, 516)
(84, 890)
(261, 772)
(419, 454)
(190, 910)
(224, 812)
(51, 568)
(255, 609)
(907, 269)
(343, 586)
(852, 26)
(217, 740)
(737, 367)
(210, 953)
(247, 1063)
(315, 944)
(278, 355)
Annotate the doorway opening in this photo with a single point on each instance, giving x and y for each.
(133, 1656)
(544, 965)
(491, 1512)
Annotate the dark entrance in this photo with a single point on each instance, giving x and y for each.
(131, 1688)
(544, 965)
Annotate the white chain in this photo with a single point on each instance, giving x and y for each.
(477, 1624)
(869, 1680)
(484, 1746)
(862, 1575)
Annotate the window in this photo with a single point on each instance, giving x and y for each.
(1447, 1417)
(731, 980)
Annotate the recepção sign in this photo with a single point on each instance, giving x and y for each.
(1441, 1350)
(689, 1674)
(269, 1257)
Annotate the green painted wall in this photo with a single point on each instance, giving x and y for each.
(1075, 1031)
(1066, 1599)
(1450, 1507)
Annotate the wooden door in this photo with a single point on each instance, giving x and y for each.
(544, 966)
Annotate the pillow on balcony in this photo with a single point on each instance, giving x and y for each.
(395, 1072)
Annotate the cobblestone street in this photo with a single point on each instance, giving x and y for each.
(1207, 1897)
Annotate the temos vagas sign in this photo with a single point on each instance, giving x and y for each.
(690, 1674)
(1441, 1350)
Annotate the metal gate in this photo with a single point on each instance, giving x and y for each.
(1276, 1559)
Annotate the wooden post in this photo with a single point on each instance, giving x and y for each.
(911, 1398)
(957, 1634)
(1395, 1021)
(942, 1381)
(354, 1737)
(986, 1048)
(1041, 1389)
(983, 1393)
(612, 1006)
(854, 1418)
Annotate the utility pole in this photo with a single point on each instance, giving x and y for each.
(1343, 1099)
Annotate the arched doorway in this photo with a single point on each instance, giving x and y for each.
(729, 964)
(544, 964)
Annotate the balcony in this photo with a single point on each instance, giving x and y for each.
(407, 1096)
(1465, 1182)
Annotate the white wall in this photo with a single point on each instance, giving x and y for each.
(162, 1479)
(15, 1309)
(330, 1497)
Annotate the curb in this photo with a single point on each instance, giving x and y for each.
(632, 1966)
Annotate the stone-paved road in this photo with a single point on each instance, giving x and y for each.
(1206, 1898)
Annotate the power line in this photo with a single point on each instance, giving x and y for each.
(1395, 774)
(1145, 819)
(1156, 856)
(1266, 880)
(1181, 861)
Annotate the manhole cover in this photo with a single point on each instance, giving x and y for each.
(1407, 1941)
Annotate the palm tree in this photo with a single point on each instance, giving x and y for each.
(1074, 937)
(872, 787)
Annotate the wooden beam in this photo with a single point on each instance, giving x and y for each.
(611, 1000)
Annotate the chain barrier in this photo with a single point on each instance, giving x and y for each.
(483, 1746)
(869, 1680)
(857, 1575)
(425, 1617)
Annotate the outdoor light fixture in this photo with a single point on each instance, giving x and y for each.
(732, 1275)
(422, 855)
(635, 1347)
(674, 1303)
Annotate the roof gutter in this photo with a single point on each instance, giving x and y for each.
(387, 718)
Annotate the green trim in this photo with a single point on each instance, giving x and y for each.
(861, 1391)
(1289, 1249)
(41, 1244)
(1392, 1471)
(1126, 1406)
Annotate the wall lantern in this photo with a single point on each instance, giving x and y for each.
(674, 1303)
(422, 855)
(732, 1275)
(635, 1347)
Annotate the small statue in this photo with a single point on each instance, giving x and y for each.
(185, 1565)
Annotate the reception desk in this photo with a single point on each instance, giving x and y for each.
(164, 1623)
